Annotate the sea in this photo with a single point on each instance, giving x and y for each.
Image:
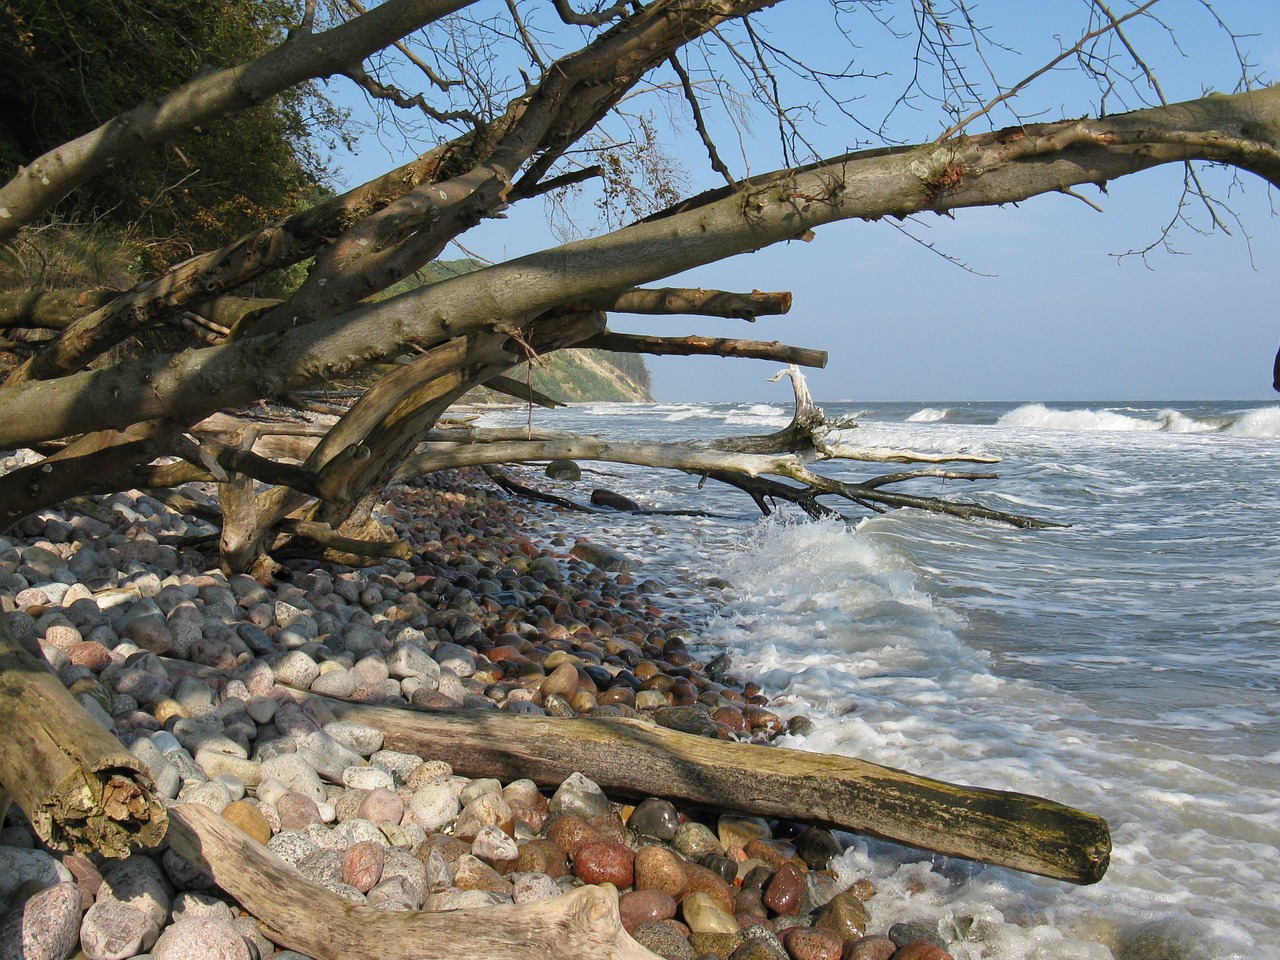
(1126, 663)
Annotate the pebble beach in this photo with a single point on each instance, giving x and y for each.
(200, 676)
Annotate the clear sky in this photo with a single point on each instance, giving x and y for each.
(1045, 311)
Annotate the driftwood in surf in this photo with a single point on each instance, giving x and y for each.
(1014, 830)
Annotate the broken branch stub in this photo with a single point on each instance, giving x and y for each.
(77, 784)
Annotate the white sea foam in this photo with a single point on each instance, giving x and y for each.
(1263, 422)
(928, 415)
(1126, 665)
(1038, 416)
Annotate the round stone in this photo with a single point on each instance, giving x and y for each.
(197, 938)
(655, 818)
(870, 948)
(248, 818)
(785, 893)
(846, 916)
(807, 943)
(657, 868)
(695, 840)
(639, 907)
(46, 927)
(112, 930)
(605, 861)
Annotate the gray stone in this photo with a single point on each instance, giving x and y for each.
(211, 793)
(137, 881)
(1171, 938)
(195, 735)
(360, 737)
(409, 660)
(296, 669)
(201, 905)
(454, 657)
(197, 938)
(327, 756)
(19, 866)
(455, 899)
(295, 773)
(112, 930)
(184, 874)
(433, 806)
(334, 683)
(46, 927)
(564, 470)
(579, 796)
(291, 846)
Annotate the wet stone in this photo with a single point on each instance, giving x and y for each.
(817, 846)
(911, 930)
(655, 818)
(581, 797)
(543, 856)
(639, 907)
(657, 868)
(785, 893)
(605, 861)
(807, 943)
(695, 840)
(928, 950)
(870, 948)
(704, 913)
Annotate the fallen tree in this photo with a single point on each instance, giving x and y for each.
(105, 428)
(100, 387)
(629, 756)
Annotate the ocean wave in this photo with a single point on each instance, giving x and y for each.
(928, 415)
(1263, 422)
(1038, 416)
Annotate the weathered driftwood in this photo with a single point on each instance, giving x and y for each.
(635, 758)
(305, 917)
(79, 787)
(707, 346)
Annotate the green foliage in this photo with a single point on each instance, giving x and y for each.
(67, 66)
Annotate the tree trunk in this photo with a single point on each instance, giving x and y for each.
(79, 787)
(639, 759)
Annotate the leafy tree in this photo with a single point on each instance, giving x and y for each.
(68, 67)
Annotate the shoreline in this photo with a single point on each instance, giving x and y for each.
(484, 617)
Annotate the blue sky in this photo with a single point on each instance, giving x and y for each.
(1046, 310)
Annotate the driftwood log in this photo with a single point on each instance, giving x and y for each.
(1007, 829)
(303, 916)
(77, 784)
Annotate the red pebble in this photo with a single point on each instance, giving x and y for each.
(806, 943)
(645, 906)
(786, 891)
(605, 861)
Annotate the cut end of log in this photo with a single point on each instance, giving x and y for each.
(110, 811)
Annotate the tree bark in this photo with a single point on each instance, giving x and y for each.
(304, 916)
(867, 185)
(638, 759)
(79, 787)
(707, 346)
